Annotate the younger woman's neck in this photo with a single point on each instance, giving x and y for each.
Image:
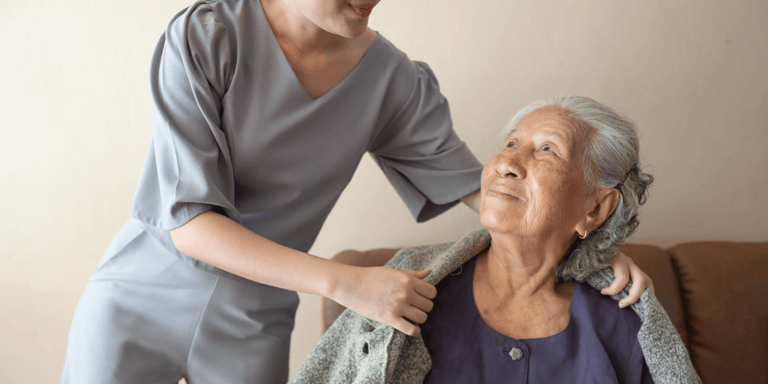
(293, 30)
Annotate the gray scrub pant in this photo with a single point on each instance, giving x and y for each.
(148, 317)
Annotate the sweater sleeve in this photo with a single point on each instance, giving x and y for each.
(663, 349)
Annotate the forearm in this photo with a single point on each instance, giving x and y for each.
(372, 258)
(472, 200)
(396, 298)
(220, 241)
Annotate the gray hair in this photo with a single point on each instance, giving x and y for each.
(611, 160)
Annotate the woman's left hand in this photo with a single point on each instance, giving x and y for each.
(624, 269)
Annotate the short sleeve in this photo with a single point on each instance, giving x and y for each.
(188, 168)
(421, 155)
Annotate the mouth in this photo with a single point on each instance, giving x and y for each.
(364, 10)
(502, 191)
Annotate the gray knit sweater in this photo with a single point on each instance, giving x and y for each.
(359, 350)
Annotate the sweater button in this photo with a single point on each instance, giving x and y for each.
(516, 353)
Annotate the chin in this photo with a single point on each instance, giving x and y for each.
(493, 220)
(352, 33)
(350, 28)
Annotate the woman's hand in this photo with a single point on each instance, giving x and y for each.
(623, 269)
(396, 298)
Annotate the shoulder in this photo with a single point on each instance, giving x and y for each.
(603, 326)
(418, 257)
(197, 28)
(401, 62)
(403, 74)
(200, 15)
(392, 56)
(616, 327)
(212, 19)
(604, 313)
(441, 259)
(202, 40)
(593, 298)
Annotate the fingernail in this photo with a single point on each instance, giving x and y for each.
(603, 291)
(622, 304)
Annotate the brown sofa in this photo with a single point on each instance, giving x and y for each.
(716, 294)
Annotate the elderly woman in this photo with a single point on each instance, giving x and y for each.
(518, 301)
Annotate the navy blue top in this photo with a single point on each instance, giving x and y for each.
(599, 345)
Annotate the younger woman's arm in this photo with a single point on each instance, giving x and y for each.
(383, 294)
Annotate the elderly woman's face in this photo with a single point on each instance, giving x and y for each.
(535, 186)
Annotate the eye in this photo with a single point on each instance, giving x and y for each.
(511, 144)
(547, 148)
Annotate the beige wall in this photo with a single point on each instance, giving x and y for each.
(75, 124)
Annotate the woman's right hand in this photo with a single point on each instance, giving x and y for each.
(396, 298)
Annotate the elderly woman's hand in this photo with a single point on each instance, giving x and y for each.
(623, 269)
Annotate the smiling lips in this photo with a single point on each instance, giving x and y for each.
(363, 9)
(499, 189)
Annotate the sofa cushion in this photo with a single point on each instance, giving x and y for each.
(725, 300)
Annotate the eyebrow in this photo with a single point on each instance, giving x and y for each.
(546, 132)
(550, 132)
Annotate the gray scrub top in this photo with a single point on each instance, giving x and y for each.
(235, 131)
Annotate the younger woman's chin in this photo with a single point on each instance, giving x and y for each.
(352, 32)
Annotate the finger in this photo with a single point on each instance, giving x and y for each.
(419, 274)
(404, 326)
(415, 315)
(639, 281)
(620, 280)
(634, 294)
(647, 282)
(425, 289)
(422, 303)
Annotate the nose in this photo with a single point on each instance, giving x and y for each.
(510, 164)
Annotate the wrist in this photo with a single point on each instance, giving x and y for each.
(339, 282)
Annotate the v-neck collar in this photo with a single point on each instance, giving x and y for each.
(264, 22)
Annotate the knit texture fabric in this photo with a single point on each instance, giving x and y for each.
(360, 350)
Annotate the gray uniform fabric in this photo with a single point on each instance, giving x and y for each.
(235, 132)
(359, 350)
(147, 317)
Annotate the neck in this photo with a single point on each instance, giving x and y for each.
(294, 31)
(522, 268)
